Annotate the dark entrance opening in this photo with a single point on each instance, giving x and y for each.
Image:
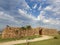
(40, 32)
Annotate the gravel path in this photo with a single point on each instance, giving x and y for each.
(44, 37)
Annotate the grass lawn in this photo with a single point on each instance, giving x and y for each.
(12, 39)
(45, 42)
(6, 40)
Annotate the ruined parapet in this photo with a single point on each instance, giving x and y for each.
(17, 32)
(8, 33)
(46, 31)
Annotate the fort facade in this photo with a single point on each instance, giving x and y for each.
(17, 32)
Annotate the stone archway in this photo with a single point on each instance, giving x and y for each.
(40, 32)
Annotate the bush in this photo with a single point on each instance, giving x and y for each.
(28, 27)
(55, 38)
(23, 28)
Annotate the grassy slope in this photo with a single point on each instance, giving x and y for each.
(46, 42)
(5, 40)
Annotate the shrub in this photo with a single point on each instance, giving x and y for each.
(28, 27)
(55, 38)
(23, 28)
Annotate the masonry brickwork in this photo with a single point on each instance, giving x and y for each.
(17, 32)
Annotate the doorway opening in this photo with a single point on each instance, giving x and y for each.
(40, 32)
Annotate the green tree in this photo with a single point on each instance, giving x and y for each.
(7, 25)
(28, 27)
(23, 28)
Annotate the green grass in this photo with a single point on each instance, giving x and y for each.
(45, 42)
(6, 40)
(31, 37)
(12, 39)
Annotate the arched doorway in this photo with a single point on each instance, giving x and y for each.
(40, 32)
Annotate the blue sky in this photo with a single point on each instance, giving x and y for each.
(37, 13)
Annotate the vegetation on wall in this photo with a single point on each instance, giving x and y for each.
(28, 27)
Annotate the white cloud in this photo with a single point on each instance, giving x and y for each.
(55, 1)
(34, 7)
(46, 21)
(4, 16)
(25, 14)
(40, 16)
(35, 0)
(46, 18)
(38, 0)
(40, 7)
(48, 8)
(22, 12)
(43, 14)
(52, 21)
(23, 4)
(53, 7)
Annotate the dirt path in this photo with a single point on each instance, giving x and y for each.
(24, 41)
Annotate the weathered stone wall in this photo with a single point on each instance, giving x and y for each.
(16, 32)
(8, 33)
(49, 31)
(11, 32)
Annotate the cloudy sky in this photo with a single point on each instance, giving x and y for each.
(44, 13)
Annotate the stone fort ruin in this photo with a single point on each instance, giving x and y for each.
(17, 32)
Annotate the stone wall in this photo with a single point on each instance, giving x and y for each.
(13, 32)
(49, 32)
(17, 32)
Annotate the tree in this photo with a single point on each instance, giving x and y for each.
(23, 28)
(7, 25)
(28, 27)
